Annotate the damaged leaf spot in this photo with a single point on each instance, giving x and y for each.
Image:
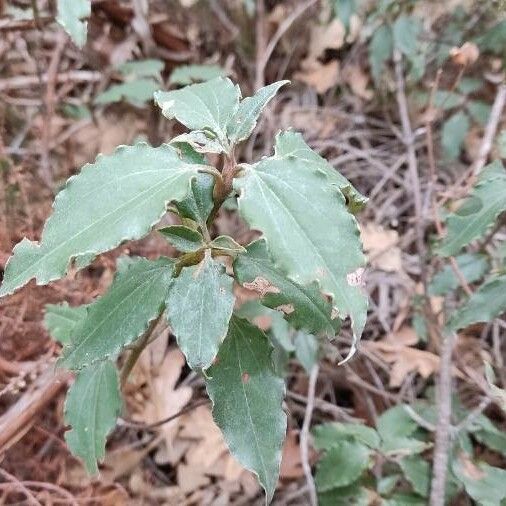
(470, 469)
(334, 313)
(286, 308)
(356, 278)
(262, 286)
(245, 377)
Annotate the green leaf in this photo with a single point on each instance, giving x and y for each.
(386, 484)
(403, 499)
(188, 74)
(490, 436)
(308, 229)
(199, 307)
(303, 306)
(380, 50)
(501, 143)
(306, 350)
(201, 141)
(469, 85)
(265, 318)
(354, 495)
(60, 320)
(70, 15)
(327, 435)
(396, 429)
(396, 422)
(91, 408)
(143, 68)
(198, 204)
(136, 92)
(132, 186)
(484, 483)
(341, 465)
(245, 119)
(206, 106)
(291, 145)
(480, 111)
(183, 238)
(485, 304)
(405, 34)
(417, 472)
(478, 212)
(494, 39)
(224, 244)
(472, 267)
(343, 10)
(498, 393)
(247, 401)
(117, 318)
(454, 133)
(213, 111)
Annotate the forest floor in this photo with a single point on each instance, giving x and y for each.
(374, 133)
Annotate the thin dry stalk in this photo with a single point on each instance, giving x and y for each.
(304, 436)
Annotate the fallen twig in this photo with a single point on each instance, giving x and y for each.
(304, 436)
(14, 83)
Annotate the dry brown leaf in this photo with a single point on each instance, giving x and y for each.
(395, 349)
(291, 462)
(466, 54)
(381, 247)
(358, 81)
(199, 426)
(325, 37)
(191, 477)
(320, 76)
(166, 400)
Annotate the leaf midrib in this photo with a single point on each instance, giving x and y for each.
(116, 308)
(473, 222)
(248, 409)
(157, 188)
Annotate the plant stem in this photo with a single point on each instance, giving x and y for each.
(223, 187)
(304, 436)
(444, 404)
(137, 349)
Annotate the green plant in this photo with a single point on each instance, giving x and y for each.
(359, 462)
(307, 265)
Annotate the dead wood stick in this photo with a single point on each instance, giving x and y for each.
(23, 413)
(14, 83)
(304, 436)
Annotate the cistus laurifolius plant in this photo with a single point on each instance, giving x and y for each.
(308, 264)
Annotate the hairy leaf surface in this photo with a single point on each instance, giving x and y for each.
(60, 320)
(198, 204)
(250, 108)
(304, 306)
(183, 238)
(328, 434)
(137, 92)
(292, 145)
(247, 401)
(188, 74)
(341, 465)
(93, 403)
(119, 197)
(205, 106)
(199, 306)
(71, 16)
(488, 302)
(472, 267)
(135, 298)
(478, 212)
(309, 231)
(226, 245)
